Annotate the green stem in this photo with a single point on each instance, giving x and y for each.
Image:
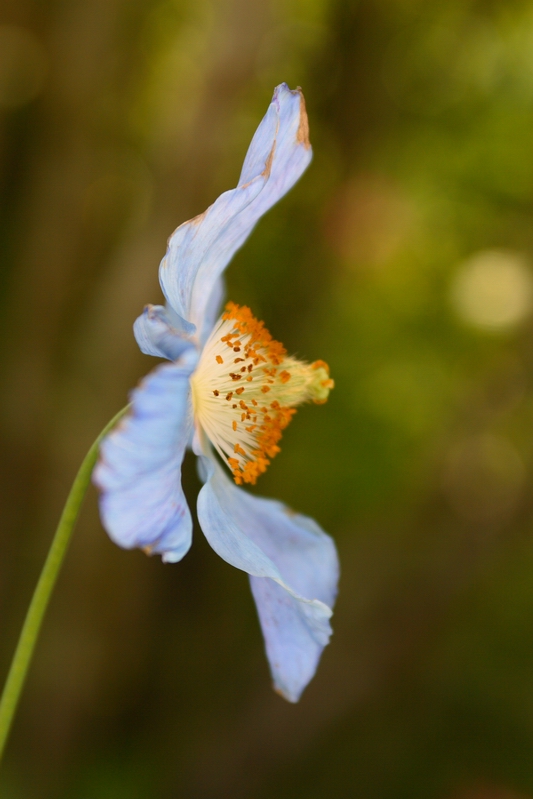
(43, 590)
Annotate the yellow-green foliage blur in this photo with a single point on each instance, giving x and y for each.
(404, 258)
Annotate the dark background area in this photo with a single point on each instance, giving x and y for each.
(404, 259)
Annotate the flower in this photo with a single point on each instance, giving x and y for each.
(230, 388)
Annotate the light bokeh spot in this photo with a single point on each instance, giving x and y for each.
(493, 290)
(369, 220)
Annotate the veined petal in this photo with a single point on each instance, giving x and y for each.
(293, 567)
(199, 250)
(139, 472)
(158, 332)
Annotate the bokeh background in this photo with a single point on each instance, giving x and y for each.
(404, 258)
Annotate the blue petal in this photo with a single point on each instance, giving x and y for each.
(199, 250)
(213, 308)
(160, 332)
(294, 572)
(139, 473)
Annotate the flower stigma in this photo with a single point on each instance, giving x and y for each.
(246, 389)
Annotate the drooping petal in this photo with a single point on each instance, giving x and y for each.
(293, 568)
(139, 472)
(161, 333)
(199, 250)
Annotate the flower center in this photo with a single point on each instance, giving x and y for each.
(246, 389)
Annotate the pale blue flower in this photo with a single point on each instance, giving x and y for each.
(228, 387)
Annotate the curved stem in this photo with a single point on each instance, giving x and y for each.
(43, 590)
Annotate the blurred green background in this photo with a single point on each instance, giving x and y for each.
(404, 259)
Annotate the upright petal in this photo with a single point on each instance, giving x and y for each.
(212, 310)
(199, 250)
(161, 333)
(293, 567)
(139, 472)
